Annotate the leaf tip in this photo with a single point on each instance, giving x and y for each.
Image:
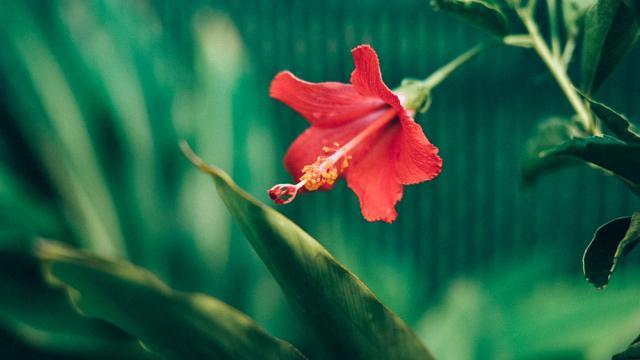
(191, 156)
(201, 164)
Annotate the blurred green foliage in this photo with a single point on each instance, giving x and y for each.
(94, 97)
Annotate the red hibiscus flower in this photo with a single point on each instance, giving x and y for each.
(361, 131)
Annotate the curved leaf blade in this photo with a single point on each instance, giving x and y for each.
(611, 30)
(170, 323)
(616, 122)
(483, 14)
(548, 134)
(609, 153)
(610, 243)
(47, 321)
(344, 313)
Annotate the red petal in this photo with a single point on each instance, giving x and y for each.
(308, 146)
(418, 159)
(325, 104)
(367, 78)
(372, 177)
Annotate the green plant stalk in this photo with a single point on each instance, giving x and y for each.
(569, 48)
(416, 93)
(442, 73)
(558, 71)
(553, 25)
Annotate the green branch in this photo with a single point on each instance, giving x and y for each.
(442, 73)
(556, 67)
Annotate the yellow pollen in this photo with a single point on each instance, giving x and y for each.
(323, 171)
(345, 162)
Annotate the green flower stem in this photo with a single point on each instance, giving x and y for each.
(442, 73)
(557, 69)
(416, 94)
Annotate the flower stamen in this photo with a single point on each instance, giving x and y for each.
(330, 165)
(324, 171)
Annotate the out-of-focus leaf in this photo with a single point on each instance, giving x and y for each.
(521, 310)
(484, 14)
(57, 128)
(43, 318)
(611, 30)
(610, 243)
(616, 122)
(548, 134)
(21, 208)
(219, 63)
(345, 314)
(461, 316)
(609, 153)
(567, 320)
(106, 52)
(173, 324)
(573, 12)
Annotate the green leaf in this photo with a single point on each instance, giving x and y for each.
(610, 243)
(23, 208)
(42, 317)
(573, 12)
(484, 14)
(504, 317)
(609, 153)
(173, 324)
(548, 134)
(616, 122)
(611, 30)
(346, 316)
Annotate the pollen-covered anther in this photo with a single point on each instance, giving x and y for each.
(324, 171)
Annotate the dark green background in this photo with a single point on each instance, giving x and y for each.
(142, 80)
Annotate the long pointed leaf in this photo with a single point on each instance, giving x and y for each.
(611, 30)
(173, 324)
(607, 152)
(42, 317)
(346, 316)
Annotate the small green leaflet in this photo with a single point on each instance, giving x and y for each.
(548, 134)
(611, 242)
(616, 122)
(484, 14)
